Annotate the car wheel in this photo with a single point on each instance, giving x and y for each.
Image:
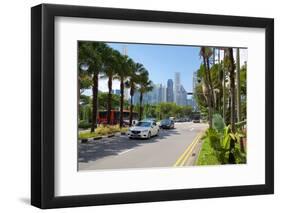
(149, 135)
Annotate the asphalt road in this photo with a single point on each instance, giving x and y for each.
(121, 152)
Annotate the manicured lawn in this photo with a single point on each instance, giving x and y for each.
(207, 155)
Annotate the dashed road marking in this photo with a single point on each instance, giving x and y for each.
(128, 150)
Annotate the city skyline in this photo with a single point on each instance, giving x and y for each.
(161, 61)
(183, 60)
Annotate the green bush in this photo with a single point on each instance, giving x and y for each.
(101, 131)
(218, 144)
(84, 124)
(218, 123)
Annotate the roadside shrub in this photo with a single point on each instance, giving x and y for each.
(220, 143)
(218, 122)
(102, 130)
(84, 124)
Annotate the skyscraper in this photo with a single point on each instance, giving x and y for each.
(177, 88)
(182, 96)
(195, 83)
(170, 91)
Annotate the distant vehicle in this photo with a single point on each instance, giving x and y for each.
(144, 129)
(196, 119)
(167, 124)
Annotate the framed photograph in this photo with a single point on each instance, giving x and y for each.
(139, 106)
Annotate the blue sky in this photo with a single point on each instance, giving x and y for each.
(162, 61)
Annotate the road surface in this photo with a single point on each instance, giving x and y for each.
(170, 148)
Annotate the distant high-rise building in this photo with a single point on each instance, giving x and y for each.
(160, 94)
(177, 88)
(170, 91)
(182, 96)
(164, 94)
(195, 83)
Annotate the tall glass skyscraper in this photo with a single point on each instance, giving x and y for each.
(170, 91)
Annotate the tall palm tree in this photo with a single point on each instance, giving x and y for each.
(238, 85)
(145, 85)
(137, 70)
(110, 66)
(124, 69)
(231, 69)
(206, 53)
(90, 53)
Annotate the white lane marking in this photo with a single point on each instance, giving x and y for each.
(128, 150)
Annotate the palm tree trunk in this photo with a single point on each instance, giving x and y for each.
(210, 83)
(232, 89)
(121, 102)
(131, 106)
(238, 85)
(95, 101)
(225, 101)
(238, 95)
(206, 66)
(140, 110)
(109, 98)
(232, 104)
(78, 99)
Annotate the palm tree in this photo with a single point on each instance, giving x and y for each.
(90, 54)
(238, 85)
(206, 53)
(124, 69)
(132, 83)
(231, 69)
(145, 85)
(110, 66)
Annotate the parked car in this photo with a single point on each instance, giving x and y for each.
(167, 124)
(144, 129)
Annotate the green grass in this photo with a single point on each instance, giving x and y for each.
(87, 134)
(207, 155)
(101, 131)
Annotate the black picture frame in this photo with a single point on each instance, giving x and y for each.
(43, 102)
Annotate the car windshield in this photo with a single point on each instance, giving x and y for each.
(165, 122)
(143, 124)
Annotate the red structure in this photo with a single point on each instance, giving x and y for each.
(115, 116)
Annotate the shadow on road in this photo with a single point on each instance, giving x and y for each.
(112, 146)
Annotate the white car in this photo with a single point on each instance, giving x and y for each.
(144, 129)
